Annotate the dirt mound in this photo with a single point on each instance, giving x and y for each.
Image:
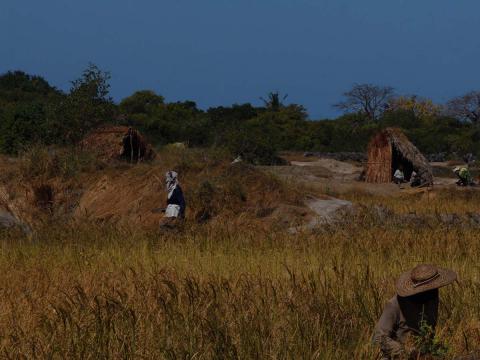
(339, 169)
(213, 192)
(117, 142)
(127, 198)
(123, 194)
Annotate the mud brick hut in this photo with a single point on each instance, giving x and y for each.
(390, 149)
(117, 142)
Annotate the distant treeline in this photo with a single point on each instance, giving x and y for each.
(34, 112)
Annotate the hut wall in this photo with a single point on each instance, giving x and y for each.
(391, 145)
(379, 166)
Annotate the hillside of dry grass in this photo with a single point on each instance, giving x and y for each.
(46, 186)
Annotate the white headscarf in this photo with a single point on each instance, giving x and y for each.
(171, 180)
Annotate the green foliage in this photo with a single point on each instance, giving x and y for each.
(141, 102)
(251, 143)
(177, 122)
(427, 343)
(274, 102)
(25, 104)
(258, 139)
(18, 86)
(44, 162)
(348, 133)
(21, 125)
(34, 112)
(223, 120)
(87, 106)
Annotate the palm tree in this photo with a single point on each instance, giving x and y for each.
(273, 101)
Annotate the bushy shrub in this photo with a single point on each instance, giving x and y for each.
(45, 162)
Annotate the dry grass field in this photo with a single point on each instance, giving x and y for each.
(230, 289)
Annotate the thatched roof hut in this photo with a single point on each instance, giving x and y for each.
(389, 150)
(118, 142)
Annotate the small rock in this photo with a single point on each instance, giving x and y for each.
(7, 220)
(450, 219)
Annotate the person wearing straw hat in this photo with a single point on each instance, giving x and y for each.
(414, 305)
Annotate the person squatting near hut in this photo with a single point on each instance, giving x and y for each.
(410, 311)
(415, 179)
(464, 176)
(399, 176)
(176, 205)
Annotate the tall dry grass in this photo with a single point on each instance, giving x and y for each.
(231, 287)
(223, 292)
(458, 201)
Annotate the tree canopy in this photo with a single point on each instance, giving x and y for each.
(466, 107)
(34, 112)
(370, 100)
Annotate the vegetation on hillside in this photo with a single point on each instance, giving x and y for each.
(34, 112)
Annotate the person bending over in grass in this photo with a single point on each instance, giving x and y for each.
(413, 311)
(464, 176)
(175, 200)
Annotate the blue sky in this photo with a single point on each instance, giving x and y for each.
(219, 52)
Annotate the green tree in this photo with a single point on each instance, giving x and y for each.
(274, 101)
(141, 102)
(21, 126)
(17, 87)
(421, 108)
(87, 105)
(25, 101)
(223, 119)
(251, 142)
(259, 139)
(174, 122)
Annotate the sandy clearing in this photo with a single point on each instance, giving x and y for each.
(335, 166)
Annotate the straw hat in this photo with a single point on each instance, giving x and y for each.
(423, 278)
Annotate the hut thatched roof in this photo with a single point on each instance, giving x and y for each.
(389, 144)
(107, 143)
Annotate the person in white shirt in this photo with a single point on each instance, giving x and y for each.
(398, 176)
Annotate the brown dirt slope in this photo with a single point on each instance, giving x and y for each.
(213, 191)
(125, 198)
